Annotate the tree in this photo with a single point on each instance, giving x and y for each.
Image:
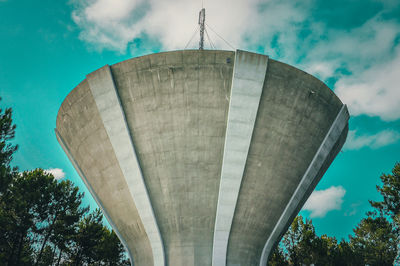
(303, 246)
(326, 251)
(37, 204)
(111, 249)
(90, 231)
(390, 191)
(277, 258)
(7, 133)
(390, 206)
(95, 243)
(346, 255)
(302, 243)
(291, 240)
(7, 149)
(61, 213)
(374, 241)
(12, 207)
(42, 220)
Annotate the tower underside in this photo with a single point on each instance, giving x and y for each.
(201, 157)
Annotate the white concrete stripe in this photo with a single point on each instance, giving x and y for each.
(321, 155)
(247, 84)
(94, 195)
(102, 85)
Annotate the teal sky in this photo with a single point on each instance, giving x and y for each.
(47, 48)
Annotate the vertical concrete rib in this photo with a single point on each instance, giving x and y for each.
(321, 155)
(94, 195)
(102, 86)
(247, 84)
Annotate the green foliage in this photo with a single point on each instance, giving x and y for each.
(111, 249)
(390, 206)
(95, 243)
(374, 241)
(7, 132)
(303, 246)
(42, 221)
(35, 209)
(277, 258)
(390, 191)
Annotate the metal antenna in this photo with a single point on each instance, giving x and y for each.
(202, 19)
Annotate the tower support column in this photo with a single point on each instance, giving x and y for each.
(247, 85)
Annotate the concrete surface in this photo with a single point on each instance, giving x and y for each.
(81, 128)
(93, 193)
(102, 86)
(295, 113)
(175, 105)
(247, 84)
(327, 145)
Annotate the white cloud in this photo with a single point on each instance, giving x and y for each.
(374, 92)
(353, 209)
(322, 201)
(56, 172)
(361, 46)
(322, 70)
(112, 24)
(374, 141)
(362, 59)
(368, 55)
(106, 11)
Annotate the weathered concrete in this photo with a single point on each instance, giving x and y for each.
(102, 86)
(175, 106)
(81, 128)
(92, 192)
(334, 133)
(247, 85)
(295, 113)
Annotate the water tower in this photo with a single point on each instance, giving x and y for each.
(201, 157)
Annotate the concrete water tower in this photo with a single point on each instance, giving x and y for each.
(201, 157)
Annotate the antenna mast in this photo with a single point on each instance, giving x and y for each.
(202, 18)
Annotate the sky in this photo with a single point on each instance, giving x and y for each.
(47, 47)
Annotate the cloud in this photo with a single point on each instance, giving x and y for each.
(373, 40)
(322, 201)
(374, 92)
(106, 11)
(374, 141)
(321, 69)
(364, 61)
(113, 24)
(362, 58)
(56, 172)
(353, 209)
